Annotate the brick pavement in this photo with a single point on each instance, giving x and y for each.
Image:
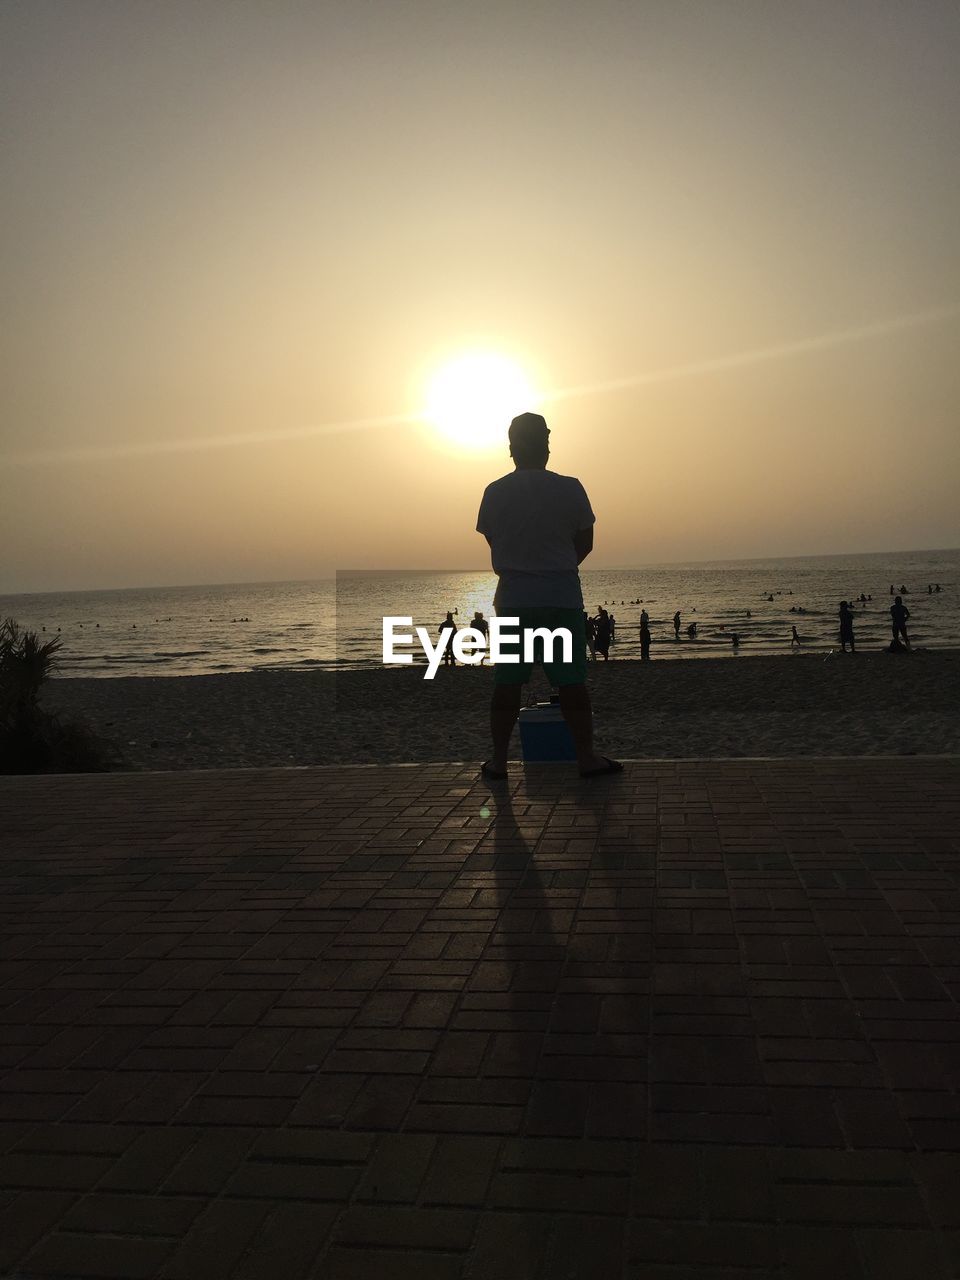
(696, 1021)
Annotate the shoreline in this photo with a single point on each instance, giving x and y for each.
(835, 704)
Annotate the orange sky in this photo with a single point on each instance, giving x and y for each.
(242, 237)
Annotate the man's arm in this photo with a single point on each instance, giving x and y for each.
(583, 543)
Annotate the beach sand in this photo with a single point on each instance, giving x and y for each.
(838, 704)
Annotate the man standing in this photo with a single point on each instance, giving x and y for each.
(899, 617)
(540, 527)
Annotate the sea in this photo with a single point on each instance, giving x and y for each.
(336, 624)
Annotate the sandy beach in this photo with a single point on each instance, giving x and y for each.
(867, 704)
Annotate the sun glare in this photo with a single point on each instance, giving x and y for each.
(471, 399)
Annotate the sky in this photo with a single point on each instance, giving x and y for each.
(716, 241)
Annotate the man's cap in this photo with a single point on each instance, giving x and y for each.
(528, 429)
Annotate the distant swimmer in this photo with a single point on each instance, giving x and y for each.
(794, 638)
(692, 631)
(735, 639)
(904, 591)
(846, 628)
(749, 614)
(676, 624)
(899, 616)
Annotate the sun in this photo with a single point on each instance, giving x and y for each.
(471, 399)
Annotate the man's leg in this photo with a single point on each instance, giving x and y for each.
(578, 713)
(504, 710)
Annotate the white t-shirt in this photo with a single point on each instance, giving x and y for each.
(530, 517)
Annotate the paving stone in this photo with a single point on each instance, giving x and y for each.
(25, 1217)
(509, 1247)
(288, 1244)
(461, 1170)
(217, 1241)
(110, 1256)
(397, 1168)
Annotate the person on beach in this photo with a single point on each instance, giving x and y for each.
(899, 616)
(676, 625)
(539, 526)
(446, 625)
(591, 632)
(602, 635)
(795, 638)
(644, 636)
(846, 628)
(692, 631)
(479, 623)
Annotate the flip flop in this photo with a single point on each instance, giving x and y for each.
(612, 766)
(493, 774)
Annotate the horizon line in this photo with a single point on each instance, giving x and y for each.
(636, 568)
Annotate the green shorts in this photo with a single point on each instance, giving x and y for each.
(558, 673)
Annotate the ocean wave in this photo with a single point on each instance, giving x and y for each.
(136, 661)
(261, 651)
(180, 653)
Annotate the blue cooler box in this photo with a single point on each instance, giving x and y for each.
(544, 734)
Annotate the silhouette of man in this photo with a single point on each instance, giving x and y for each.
(846, 628)
(446, 625)
(540, 528)
(644, 636)
(899, 616)
(602, 634)
(479, 623)
(591, 629)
